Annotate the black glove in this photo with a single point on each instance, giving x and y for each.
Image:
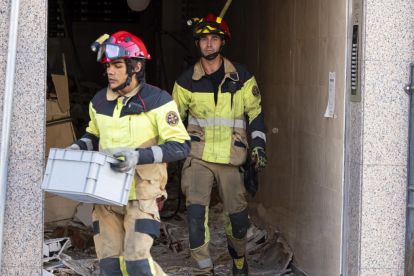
(259, 159)
(251, 180)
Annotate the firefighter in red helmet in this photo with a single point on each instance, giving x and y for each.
(139, 122)
(217, 94)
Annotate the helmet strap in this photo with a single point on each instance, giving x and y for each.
(210, 56)
(129, 78)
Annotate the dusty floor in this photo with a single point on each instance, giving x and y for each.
(268, 253)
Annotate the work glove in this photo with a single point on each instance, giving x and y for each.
(259, 159)
(131, 159)
(73, 147)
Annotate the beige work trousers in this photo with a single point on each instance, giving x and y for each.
(128, 233)
(197, 181)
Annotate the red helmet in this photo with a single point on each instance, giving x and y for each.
(122, 45)
(211, 24)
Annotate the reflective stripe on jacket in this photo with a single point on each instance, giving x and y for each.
(218, 130)
(157, 133)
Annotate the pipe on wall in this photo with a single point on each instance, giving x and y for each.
(7, 114)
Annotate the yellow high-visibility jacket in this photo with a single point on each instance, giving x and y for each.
(157, 133)
(218, 130)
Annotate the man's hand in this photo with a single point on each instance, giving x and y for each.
(131, 160)
(73, 147)
(259, 159)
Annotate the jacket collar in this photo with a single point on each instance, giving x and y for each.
(229, 70)
(112, 96)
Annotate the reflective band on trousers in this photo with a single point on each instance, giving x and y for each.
(258, 134)
(217, 122)
(88, 143)
(203, 263)
(157, 151)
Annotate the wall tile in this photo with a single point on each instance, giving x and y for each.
(385, 102)
(309, 241)
(381, 272)
(284, 19)
(23, 222)
(335, 126)
(354, 216)
(308, 156)
(307, 60)
(310, 205)
(323, 18)
(307, 19)
(384, 145)
(331, 225)
(267, 18)
(355, 133)
(383, 205)
(283, 61)
(27, 125)
(281, 99)
(336, 58)
(336, 17)
(266, 185)
(252, 61)
(5, 8)
(333, 168)
(309, 109)
(32, 35)
(281, 154)
(281, 193)
(389, 40)
(323, 74)
(266, 60)
(18, 271)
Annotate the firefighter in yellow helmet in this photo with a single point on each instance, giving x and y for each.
(139, 122)
(218, 95)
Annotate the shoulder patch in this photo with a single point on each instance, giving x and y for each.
(255, 91)
(172, 118)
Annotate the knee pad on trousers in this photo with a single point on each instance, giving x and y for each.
(148, 226)
(110, 267)
(139, 267)
(240, 222)
(197, 219)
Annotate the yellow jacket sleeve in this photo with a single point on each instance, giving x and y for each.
(173, 143)
(183, 98)
(252, 107)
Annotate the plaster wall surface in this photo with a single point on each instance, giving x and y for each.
(379, 142)
(23, 229)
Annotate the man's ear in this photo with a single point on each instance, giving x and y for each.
(196, 42)
(138, 67)
(223, 42)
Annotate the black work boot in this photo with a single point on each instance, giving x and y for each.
(240, 266)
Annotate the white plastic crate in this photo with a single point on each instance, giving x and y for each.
(86, 176)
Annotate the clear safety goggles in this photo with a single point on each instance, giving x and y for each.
(112, 52)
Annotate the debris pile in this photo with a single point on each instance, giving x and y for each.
(69, 249)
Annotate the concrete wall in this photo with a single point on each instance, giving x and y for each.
(23, 232)
(379, 142)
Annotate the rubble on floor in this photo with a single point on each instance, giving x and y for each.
(268, 253)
